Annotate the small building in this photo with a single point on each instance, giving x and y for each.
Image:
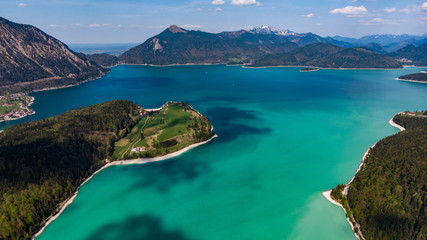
(411, 113)
(138, 149)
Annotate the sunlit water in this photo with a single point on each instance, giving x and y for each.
(284, 137)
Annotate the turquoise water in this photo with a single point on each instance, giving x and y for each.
(284, 137)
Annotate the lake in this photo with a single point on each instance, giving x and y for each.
(284, 137)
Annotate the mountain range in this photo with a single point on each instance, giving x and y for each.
(180, 46)
(387, 42)
(31, 60)
(255, 47)
(327, 55)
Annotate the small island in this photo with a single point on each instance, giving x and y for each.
(15, 106)
(43, 163)
(309, 69)
(414, 77)
(386, 199)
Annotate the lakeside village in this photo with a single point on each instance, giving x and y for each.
(15, 106)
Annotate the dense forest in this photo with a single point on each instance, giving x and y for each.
(418, 55)
(388, 197)
(411, 122)
(415, 76)
(103, 59)
(326, 55)
(43, 162)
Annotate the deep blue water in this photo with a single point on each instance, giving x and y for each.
(284, 137)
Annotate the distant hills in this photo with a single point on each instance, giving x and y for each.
(256, 47)
(31, 60)
(412, 55)
(301, 39)
(383, 39)
(180, 46)
(326, 55)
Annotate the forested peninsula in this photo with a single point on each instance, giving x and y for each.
(415, 77)
(388, 197)
(42, 163)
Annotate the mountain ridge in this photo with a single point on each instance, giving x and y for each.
(32, 60)
(326, 55)
(176, 45)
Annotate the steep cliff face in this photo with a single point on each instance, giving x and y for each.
(30, 60)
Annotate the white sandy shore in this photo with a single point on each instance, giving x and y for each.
(392, 123)
(407, 80)
(327, 194)
(65, 204)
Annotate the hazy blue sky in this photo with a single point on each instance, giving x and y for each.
(114, 21)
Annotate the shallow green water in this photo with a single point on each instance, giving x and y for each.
(284, 137)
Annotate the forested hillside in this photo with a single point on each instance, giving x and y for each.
(43, 162)
(326, 55)
(388, 197)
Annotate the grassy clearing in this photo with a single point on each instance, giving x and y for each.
(173, 128)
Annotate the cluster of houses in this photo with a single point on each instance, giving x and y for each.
(16, 115)
(138, 149)
(22, 111)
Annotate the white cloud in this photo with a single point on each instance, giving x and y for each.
(419, 9)
(22, 5)
(363, 0)
(350, 10)
(405, 10)
(218, 9)
(192, 26)
(75, 24)
(310, 15)
(389, 10)
(218, 2)
(381, 21)
(94, 25)
(245, 2)
(106, 25)
(53, 25)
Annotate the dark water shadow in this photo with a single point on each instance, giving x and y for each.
(164, 175)
(144, 227)
(233, 131)
(225, 115)
(223, 120)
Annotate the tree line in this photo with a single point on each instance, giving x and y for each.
(388, 197)
(43, 162)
